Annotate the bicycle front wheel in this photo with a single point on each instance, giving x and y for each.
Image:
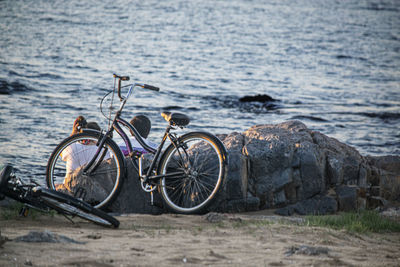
(98, 185)
(68, 205)
(194, 169)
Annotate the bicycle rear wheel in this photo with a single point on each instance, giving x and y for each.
(99, 185)
(195, 170)
(68, 205)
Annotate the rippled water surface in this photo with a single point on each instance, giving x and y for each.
(335, 65)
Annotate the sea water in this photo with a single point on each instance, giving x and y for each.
(334, 65)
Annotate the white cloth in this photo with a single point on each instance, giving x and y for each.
(77, 155)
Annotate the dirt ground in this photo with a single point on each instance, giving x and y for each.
(256, 239)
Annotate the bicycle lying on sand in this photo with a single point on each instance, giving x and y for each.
(188, 173)
(43, 199)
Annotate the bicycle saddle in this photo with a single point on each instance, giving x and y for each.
(5, 175)
(176, 119)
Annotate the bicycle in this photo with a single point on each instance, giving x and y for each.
(45, 200)
(188, 173)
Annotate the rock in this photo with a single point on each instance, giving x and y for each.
(292, 167)
(257, 98)
(285, 164)
(132, 198)
(94, 188)
(318, 205)
(213, 217)
(311, 170)
(386, 174)
(46, 236)
(388, 163)
(271, 153)
(236, 185)
(376, 202)
(94, 236)
(390, 185)
(242, 205)
(391, 213)
(306, 250)
(347, 197)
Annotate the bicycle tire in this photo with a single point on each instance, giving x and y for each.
(68, 205)
(193, 189)
(103, 185)
(4, 176)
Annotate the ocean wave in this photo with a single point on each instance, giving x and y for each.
(37, 75)
(381, 115)
(7, 88)
(350, 57)
(308, 117)
(385, 116)
(173, 108)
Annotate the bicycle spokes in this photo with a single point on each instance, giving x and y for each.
(199, 163)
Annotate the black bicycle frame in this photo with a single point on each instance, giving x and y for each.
(25, 194)
(157, 152)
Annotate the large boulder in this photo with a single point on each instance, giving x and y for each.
(289, 166)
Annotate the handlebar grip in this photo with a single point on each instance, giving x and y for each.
(151, 87)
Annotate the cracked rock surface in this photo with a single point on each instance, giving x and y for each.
(297, 170)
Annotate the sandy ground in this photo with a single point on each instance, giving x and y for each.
(170, 240)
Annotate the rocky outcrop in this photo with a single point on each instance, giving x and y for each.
(290, 168)
(296, 170)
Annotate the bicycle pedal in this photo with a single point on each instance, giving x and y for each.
(24, 212)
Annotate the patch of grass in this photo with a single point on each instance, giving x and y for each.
(220, 224)
(356, 222)
(258, 223)
(12, 212)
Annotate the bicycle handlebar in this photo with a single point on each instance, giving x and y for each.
(151, 87)
(120, 78)
(126, 78)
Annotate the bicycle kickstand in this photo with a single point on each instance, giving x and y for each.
(154, 203)
(24, 211)
(152, 198)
